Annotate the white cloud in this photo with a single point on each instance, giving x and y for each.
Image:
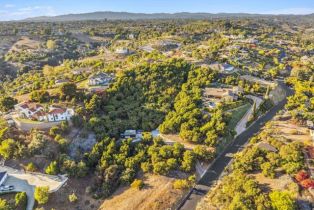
(294, 11)
(25, 12)
(9, 5)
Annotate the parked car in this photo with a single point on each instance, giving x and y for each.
(6, 188)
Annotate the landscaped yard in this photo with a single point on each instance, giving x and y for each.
(237, 114)
(28, 121)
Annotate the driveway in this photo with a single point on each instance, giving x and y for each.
(21, 185)
(241, 126)
(26, 182)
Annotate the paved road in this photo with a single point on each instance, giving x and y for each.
(213, 173)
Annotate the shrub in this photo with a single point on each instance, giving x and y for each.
(268, 170)
(41, 194)
(52, 169)
(146, 167)
(282, 200)
(181, 184)
(72, 198)
(139, 184)
(4, 204)
(31, 167)
(21, 199)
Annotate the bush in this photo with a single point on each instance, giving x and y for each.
(31, 167)
(4, 204)
(139, 184)
(9, 148)
(181, 184)
(282, 200)
(41, 194)
(202, 153)
(268, 170)
(146, 167)
(72, 198)
(21, 199)
(52, 169)
(7, 103)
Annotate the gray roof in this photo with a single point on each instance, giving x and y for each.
(2, 174)
(267, 147)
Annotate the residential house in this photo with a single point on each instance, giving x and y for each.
(57, 114)
(28, 109)
(100, 79)
(220, 94)
(37, 112)
(225, 68)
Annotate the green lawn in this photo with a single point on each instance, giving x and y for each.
(28, 121)
(237, 114)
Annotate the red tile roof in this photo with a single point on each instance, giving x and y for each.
(57, 111)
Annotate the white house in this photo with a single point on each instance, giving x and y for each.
(225, 68)
(28, 109)
(102, 79)
(37, 112)
(56, 114)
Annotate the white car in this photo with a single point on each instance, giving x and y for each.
(6, 188)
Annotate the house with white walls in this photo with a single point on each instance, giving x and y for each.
(28, 109)
(33, 111)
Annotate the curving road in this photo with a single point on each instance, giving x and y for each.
(213, 173)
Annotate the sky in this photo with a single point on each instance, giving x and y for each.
(21, 9)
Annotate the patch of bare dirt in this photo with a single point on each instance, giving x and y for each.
(26, 43)
(158, 193)
(60, 199)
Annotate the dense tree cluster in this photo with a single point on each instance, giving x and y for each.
(188, 117)
(118, 163)
(140, 97)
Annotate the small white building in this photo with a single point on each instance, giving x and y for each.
(57, 114)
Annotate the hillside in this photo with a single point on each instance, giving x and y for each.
(141, 16)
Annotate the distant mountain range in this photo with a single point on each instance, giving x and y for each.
(141, 16)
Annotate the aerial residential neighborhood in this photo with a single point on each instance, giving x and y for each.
(184, 105)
